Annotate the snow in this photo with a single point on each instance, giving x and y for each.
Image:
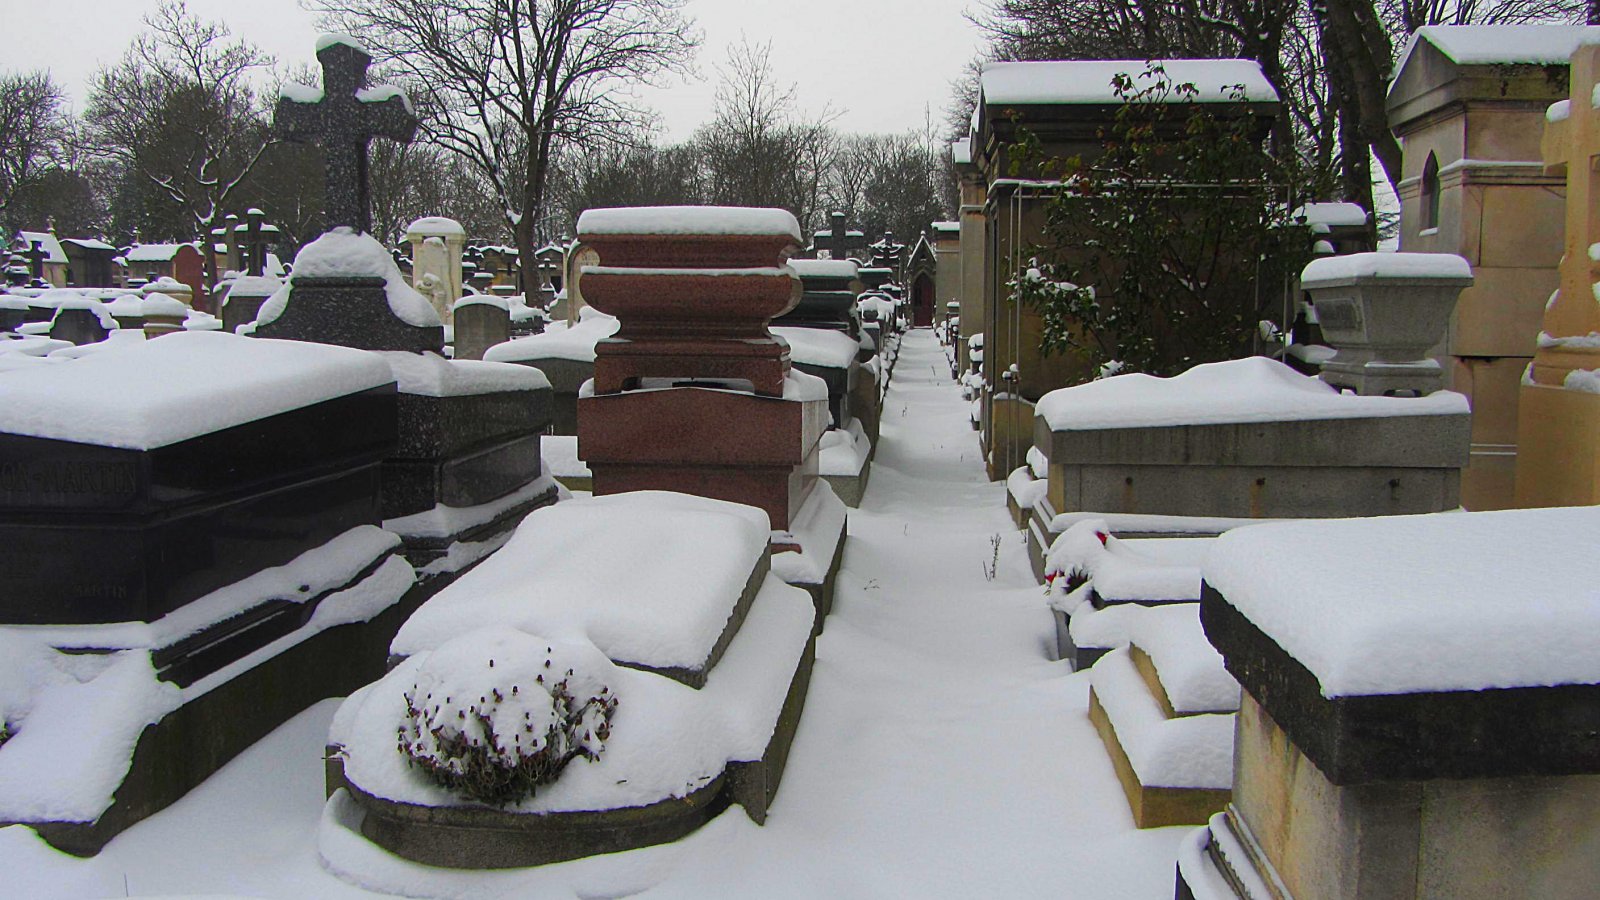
(844, 451)
(1583, 380)
(153, 253)
(679, 220)
(300, 93)
(824, 268)
(166, 391)
(1089, 81)
(382, 93)
(816, 529)
(961, 151)
(680, 564)
(431, 375)
(1559, 111)
(443, 521)
(1255, 389)
(1406, 604)
(667, 738)
(923, 663)
(1333, 269)
(253, 286)
(1341, 214)
(576, 343)
(1147, 570)
(1025, 489)
(47, 241)
(77, 301)
(435, 225)
(560, 452)
(1191, 670)
(1038, 463)
(330, 39)
(819, 347)
(1186, 752)
(1481, 45)
(120, 339)
(798, 385)
(502, 303)
(343, 253)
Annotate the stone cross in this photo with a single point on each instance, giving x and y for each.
(36, 257)
(1573, 145)
(344, 120)
(838, 242)
(257, 237)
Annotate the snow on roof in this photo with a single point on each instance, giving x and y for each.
(51, 246)
(435, 225)
(961, 151)
(1478, 45)
(689, 220)
(819, 346)
(824, 268)
(575, 343)
(1089, 81)
(1339, 214)
(88, 243)
(1384, 265)
(165, 391)
(153, 252)
(1255, 389)
(1441, 602)
(661, 599)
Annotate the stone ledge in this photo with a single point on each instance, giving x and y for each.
(1507, 732)
(1153, 807)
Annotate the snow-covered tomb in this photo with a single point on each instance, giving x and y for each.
(1421, 699)
(187, 521)
(620, 674)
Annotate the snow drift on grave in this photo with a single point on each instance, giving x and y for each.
(575, 343)
(1409, 604)
(147, 396)
(345, 253)
(819, 347)
(719, 220)
(648, 577)
(1254, 389)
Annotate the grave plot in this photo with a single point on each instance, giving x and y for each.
(566, 357)
(693, 392)
(1420, 702)
(1101, 585)
(620, 674)
(1247, 438)
(179, 567)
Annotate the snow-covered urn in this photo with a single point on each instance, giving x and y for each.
(1382, 312)
(496, 714)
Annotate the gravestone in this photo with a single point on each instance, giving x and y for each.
(482, 321)
(437, 270)
(80, 320)
(694, 393)
(839, 241)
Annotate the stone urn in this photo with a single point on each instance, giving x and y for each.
(1382, 313)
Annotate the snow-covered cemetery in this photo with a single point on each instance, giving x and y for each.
(1176, 475)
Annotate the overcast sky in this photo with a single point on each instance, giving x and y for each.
(896, 57)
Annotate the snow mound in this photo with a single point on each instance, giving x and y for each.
(165, 391)
(575, 343)
(1255, 389)
(819, 347)
(344, 253)
(1384, 265)
(1439, 602)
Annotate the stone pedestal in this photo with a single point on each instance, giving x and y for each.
(350, 312)
(244, 300)
(693, 393)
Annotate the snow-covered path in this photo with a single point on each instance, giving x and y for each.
(941, 753)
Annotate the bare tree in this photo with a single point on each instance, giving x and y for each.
(178, 111)
(33, 130)
(515, 80)
(760, 149)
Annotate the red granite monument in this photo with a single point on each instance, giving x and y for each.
(694, 393)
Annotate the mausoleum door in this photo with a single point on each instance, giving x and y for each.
(922, 301)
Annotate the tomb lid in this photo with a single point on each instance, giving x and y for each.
(1090, 81)
(1254, 389)
(165, 391)
(690, 220)
(824, 268)
(819, 347)
(651, 578)
(1431, 603)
